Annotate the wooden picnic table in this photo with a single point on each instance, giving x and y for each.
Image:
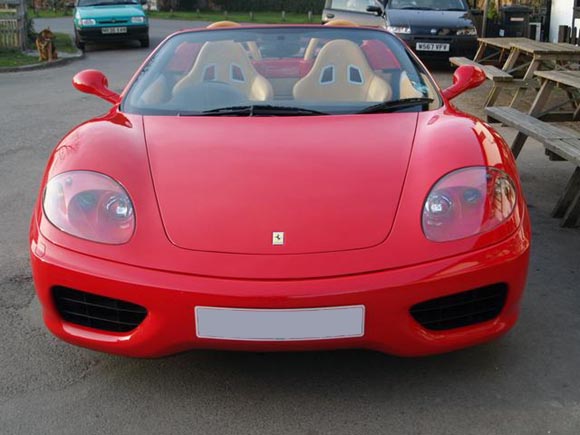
(538, 53)
(498, 47)
(560, 143)
(526, 56)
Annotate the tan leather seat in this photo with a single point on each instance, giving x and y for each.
(252, 46)
(341, 72)
(406, 88)
(313, 44)
(226, 61)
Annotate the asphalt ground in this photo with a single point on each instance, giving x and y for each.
(525, 383)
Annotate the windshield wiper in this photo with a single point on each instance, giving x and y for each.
(417, 8)
(390, 106)
(256, 110)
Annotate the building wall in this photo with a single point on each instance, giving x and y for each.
(561, 15)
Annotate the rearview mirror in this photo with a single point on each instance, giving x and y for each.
(377, 10)
(465, 77)
(91, 81)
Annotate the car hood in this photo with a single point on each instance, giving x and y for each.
(112, 11)
(430, 19)
(329, 183)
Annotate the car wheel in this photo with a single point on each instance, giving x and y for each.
(144, 42)
(80, 45)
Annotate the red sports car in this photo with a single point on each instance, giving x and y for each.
(280, 188)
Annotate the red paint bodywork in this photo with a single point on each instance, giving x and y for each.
(349, 192)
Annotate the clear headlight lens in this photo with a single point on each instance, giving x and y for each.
(88, 22)
(137, 20)
(470, 31)
(467, 202)
(399, 29)
(91, 206)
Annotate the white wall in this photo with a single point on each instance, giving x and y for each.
(561, 16)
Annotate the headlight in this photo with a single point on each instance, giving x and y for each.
(399, 29)
(469, 31)
(467, 202)
(137, 20)
(88, 22)
(91, 206)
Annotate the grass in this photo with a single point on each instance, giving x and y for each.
(49, 13)
(12, 58)
(64, 43)
(244, 17)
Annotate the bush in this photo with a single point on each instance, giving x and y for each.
(298, 6)
(30, 32)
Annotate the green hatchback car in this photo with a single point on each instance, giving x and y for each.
(110, 21)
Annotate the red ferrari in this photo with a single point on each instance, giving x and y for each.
(276, 188)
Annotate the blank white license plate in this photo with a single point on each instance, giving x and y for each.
(109, 30)
(280, 325)
(432, 46)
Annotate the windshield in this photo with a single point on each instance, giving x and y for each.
(106, 2)
(281, 71)
(435, 5)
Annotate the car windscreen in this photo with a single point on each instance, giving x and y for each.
(86, 3)
(435, 5)
(280, 71)
(353, 5)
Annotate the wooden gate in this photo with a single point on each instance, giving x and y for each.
(12, 24)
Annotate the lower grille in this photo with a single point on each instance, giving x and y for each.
(461, 309)
(97, 312)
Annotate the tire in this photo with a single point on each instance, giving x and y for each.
(80, 45)
(144, 42)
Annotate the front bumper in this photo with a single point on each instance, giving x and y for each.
(387, 296)
(95, 34)
(464, 46)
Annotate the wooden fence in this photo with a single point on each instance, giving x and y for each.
(12, 24)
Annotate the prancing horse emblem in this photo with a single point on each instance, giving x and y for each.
(278, 238)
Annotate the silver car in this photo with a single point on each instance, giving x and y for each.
(363, 12)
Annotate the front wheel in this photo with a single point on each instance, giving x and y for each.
(80, 45)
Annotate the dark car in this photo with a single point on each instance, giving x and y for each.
(434, 28)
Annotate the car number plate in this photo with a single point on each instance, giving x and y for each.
(280, 325)
(432, 46)
(109, 30)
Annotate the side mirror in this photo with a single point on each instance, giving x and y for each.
(465, 77)
(377, 10)
(91, 81)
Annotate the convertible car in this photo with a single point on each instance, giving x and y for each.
(277, 188)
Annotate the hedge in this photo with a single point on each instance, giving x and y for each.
(299, 6)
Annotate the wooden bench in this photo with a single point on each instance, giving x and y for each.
(499, 77)
(493, 73)
(562, 142)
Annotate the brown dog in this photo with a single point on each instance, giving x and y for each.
(45, 46)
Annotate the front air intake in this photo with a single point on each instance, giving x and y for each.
(97, 312)
(461, 309)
